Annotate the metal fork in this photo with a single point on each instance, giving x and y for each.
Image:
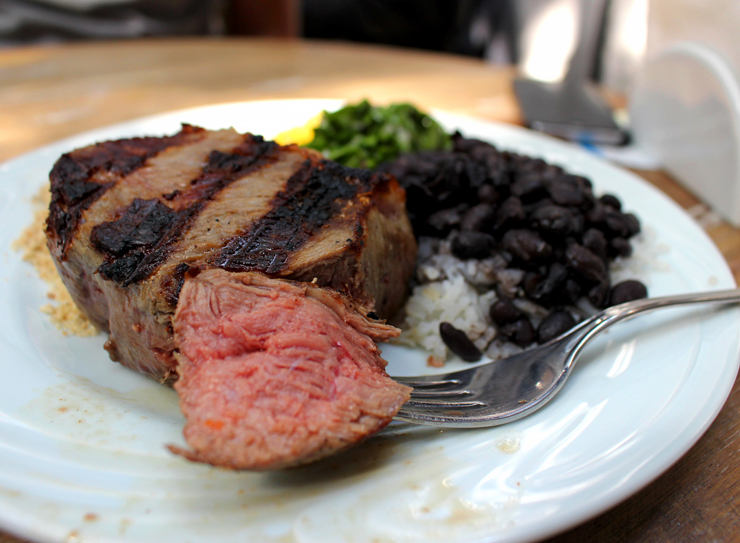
(509, 389)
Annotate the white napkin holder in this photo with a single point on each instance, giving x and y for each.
(685, 112)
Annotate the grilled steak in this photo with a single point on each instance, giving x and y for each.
(132, 222)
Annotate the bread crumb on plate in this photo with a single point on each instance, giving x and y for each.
(62, 311)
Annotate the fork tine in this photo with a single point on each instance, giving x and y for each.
(440, 393)
(431, 382)
(442, 403)
(438, 414)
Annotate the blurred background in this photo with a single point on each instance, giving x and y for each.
(539, 36)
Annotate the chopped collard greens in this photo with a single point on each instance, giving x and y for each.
(363, 136)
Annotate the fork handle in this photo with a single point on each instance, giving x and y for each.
(648, 304)
(589, 328)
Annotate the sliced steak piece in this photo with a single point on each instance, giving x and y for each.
(129, 219)
(275, 373)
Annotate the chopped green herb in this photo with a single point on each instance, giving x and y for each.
(364, 136)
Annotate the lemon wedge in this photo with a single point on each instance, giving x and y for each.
(300, 135)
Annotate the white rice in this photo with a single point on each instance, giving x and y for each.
(450, 300)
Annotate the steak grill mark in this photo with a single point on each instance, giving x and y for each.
(141, 239)
(72, 191)
(313, 196)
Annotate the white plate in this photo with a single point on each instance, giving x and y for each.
(82, 454)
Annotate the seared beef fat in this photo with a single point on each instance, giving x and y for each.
(132, 221)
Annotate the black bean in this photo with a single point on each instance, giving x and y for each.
(627, 291)
(468, 145)
(595, 241)
(566, 193)
(503, 311)
(442, 222)
(484, 151)
(444, 181)
(528, 188)
(596, 215)
(553, 220)
(551, 172)
(509, 158)
(616, 225)
(571, 291)
(548, 287)
(611, 200)
(620, 247)
(579, 223)
(536, 164)
(558, 249)
(459, 343)
(511, 213)
(526, 245)
(520, 332)
(598, 295)
(477, 174)
(583, 182)
(488, 194)
(556, 323)
(462, 208)
(633, 223)
(585, 263)
(534, 206)
(531, 281)
(469, 244)
(499, 177)
(478, 218)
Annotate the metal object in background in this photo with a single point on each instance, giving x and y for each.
(572, 109)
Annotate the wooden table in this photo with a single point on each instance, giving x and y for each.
(49, 93)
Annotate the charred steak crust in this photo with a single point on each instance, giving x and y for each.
(314, 196)
(172, 284)
(128, 241)
(73, 191)
(138, 242)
